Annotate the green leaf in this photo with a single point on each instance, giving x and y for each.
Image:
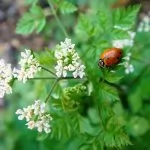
(86, 127)
(114, 135)
(125, 17)
(93, 116)
(36, 10)
(67, 7)
(135, 125)
(119, 34)
(84, 27)
(42, 137)
(31, 21)
(109, 93)
(65, 125)
(104, 19)
(113, 78)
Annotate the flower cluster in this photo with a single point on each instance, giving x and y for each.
(36, 116)
(68, 60)
(29, 66)
(124, 42)
(144, 25)
(129, 68)
(5, 78)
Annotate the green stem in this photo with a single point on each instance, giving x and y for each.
(57, 19)
(43, 78)
(72, 78)
(111, 84)
(51, 90)
(102, 146)
(100, 115)
(62, 103)
(48, 70)
(51, 78)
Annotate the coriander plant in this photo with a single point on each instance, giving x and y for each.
(76, 100)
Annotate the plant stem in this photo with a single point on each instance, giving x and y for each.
(51, 78)
(48, 70)
(100, 115)
(64, 78)
(55, 82)
(57, 19)
(111, 84)
(51, 90)
(102, 146)
(43, 78)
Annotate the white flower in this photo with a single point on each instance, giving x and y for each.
(127, 57)
(29, 66)
(60, 70)
(124, 42)
(144, 25)
(38, 107)
(67, 45)
(70, 67)
(131, 34)
(58, 55)
(21, 74)
(79, 72)
(68, 60)
(129, 68)
(43, 124)
(25, 113)
(5, 78)
(29, 112)
(118, 43)
(31, 124)
(36, 116)
(47, 129)
(21, 114)
(39, 126)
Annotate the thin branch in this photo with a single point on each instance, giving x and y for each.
(111, 84)
(52, 78)
(57, 19)
(43, 78)
(48, 70)
(71, 78)
(51, 90)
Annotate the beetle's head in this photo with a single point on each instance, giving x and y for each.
(101, 63)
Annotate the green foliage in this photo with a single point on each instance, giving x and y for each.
(109, 93)
(126, 17)
(114, 136)
(84, 27)
(135, 125)
(119, 34)
(34, 20)
(75, 93)
(105, 110)
(67, 7)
